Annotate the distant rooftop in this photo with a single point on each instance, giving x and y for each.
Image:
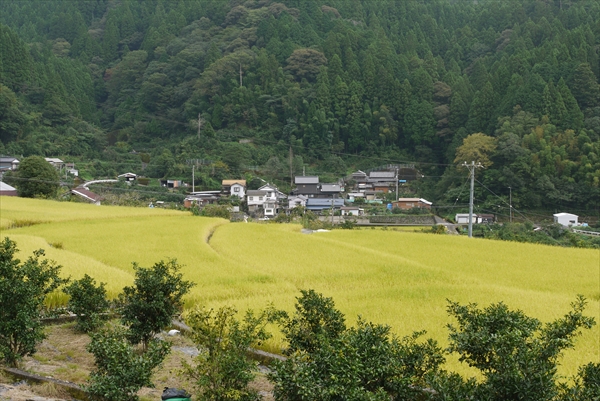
(306, 179)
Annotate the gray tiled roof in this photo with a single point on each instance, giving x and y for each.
(306, 179)
(330, 188)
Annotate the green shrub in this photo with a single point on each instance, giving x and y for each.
(23, 288)
(223, 370)
(327, 361)
(88, 302)
(153, 300)
(121, 371)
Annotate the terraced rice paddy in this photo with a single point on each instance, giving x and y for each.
(399, 278)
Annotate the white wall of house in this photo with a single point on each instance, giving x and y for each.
(566, 219)
(238, 190)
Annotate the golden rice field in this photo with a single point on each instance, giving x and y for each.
(388, 276)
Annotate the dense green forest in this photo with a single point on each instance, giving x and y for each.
(330, 86)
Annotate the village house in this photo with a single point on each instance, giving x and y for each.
(409, 203)
(352, 196)
(87, 195)
(266, 200)
(201, 198)
(7, 190)
(8, 163)
(296, 201)
(306, 185)
(481, 218)
(330, 191)
(352, 211)
(129, 177)
(255, 199)
(320, 204)
(234, 188)
(56, 163)
(380, 179)
(566, 219)
(172, 183)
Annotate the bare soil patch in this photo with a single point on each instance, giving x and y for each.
(63, 356)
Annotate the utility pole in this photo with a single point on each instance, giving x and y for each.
(397, 184)
(291, 170)
(510, 204)
(471, 168)
(193, 178)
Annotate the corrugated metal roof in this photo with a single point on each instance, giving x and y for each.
(306, 179)
(325, 203)
(255, 192)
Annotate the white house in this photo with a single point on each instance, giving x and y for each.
(352, 211)
(267, 197)
(463, 218)
(297, 200)
(566, 219)
(234, 188)
(256, 199)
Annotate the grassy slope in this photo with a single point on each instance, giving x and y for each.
(402, 279)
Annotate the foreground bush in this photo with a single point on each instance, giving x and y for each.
(223, 369)
(88, 302)
(153, 301)
(327, 361)
(120, 370)
(23, 288)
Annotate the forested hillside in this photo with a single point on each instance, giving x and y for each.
(328, 85)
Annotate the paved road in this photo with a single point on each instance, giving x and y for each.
(450, 226)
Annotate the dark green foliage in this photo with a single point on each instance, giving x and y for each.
(36, 178)
(23, 288)
(377, 80)
(328, 361)
(222, 211)
(120, 370)
(315, 318)
(516, 354)
(154, 299)
(88, 302)
(223, 370)
(587, 385)
(548, 234)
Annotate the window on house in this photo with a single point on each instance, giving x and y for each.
(250, 198)
(236, 189)
(260, 198)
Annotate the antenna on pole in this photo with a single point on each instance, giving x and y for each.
(471, 168)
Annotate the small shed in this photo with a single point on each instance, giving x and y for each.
(7, 190)
(463, 218)
(409, 203)
(87, 195)
(128, 177)
(352, 211)
(566, 219)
